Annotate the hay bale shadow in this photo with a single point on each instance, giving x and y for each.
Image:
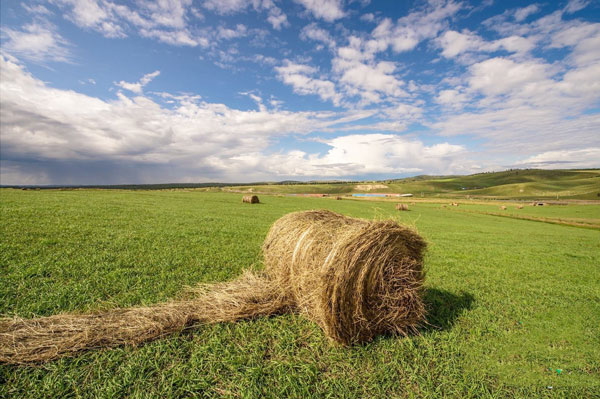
(443, 308)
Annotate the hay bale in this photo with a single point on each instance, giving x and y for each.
(455, 204)
(401, 207)
(519, 206)
(338, 198)
(354, 278)
(250, 199)
(503, 207)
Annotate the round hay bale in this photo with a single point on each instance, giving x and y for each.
(338, 198)
(250, 199)
(519, 206)
(354, 278)
(401, 207)
(503, 207)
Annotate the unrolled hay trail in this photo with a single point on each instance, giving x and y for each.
(354, 278)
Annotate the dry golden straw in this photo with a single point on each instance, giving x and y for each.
(401, 207)
(354, 278)
(250, 199)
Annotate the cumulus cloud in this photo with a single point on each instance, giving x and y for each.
(576, 5)
(522, 13)
(226, 6)
(276, 17)
(452, 98)
(91, 14)
(407, 32)
(60, 136)
(313, 32)
(456, 43)
(38, 41)
(303, 80)
(36, 9)
(328, 10)
(523, 105)
(166, 21)
(501, 75)
(138, 86)
(52, 125)
(360, 75)
(364, 154)
(586, 158)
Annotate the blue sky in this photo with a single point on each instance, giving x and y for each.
(105, 92)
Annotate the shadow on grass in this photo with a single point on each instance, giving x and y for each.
(444, 307)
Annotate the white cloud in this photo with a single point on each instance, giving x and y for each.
(456, 43)
(363, 154)
(586, 158)
(226, 6)
(501, 75)
(275, 17)
(410, 30)
(576, 5)
(58, 129)
(328, 10)
(369, 17)
(38, 41)
(452, 98)
(522, 13)
(301, 78)
(46, 124)
(166, 21)
(138, 86)
(175, 38)
(584, 38)
(360, 75)
(37, 9)
(313, 32)
(90, 14)
(226, 33)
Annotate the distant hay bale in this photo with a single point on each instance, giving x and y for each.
(455, 204)
(355, 278)
(338, 198)
(250, 199)
(519, 206)
(503, 207)
(401, 207)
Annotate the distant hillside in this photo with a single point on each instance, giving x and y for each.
(518, 184)
(515, 184)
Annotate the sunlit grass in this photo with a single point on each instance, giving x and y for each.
(510, 300)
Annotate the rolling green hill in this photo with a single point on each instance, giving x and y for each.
(511, 184)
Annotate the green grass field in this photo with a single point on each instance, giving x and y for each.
(510, 301)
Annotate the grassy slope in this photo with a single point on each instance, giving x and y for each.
(511, 299)
(523, 184)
